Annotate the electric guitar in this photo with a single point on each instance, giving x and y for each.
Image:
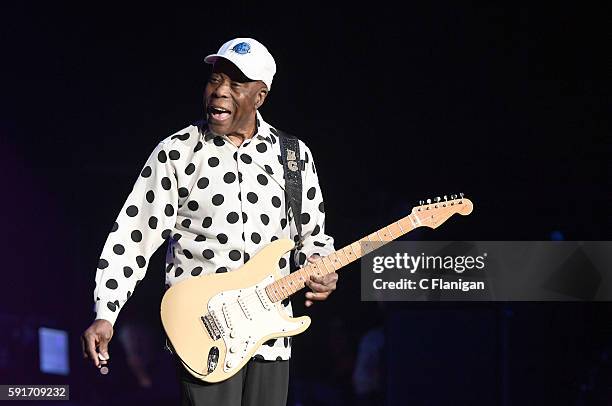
(215, 323)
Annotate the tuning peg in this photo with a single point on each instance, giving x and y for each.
(428, 201)
(445, 198)
(438, 199)
(421, 202)
(461, 194)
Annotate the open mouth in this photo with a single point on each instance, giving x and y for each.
(218, 113)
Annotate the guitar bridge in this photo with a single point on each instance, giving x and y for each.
(213, 327)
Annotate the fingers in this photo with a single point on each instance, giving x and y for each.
(83, 347)
(317, 296)
(326, 283)
(321, 287)
(90, 348)
(103, 348)
(313, 258)
(310, 296)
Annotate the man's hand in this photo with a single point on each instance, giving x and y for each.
(321, 287)
(98, 335)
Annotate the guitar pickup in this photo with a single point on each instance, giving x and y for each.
(226, 314)
(263, 298)
(244, 308)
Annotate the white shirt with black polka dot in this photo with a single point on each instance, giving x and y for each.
(217, 205)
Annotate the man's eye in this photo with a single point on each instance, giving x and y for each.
(236, 84)
(213, 79)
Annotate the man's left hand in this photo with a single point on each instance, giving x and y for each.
(322, 286)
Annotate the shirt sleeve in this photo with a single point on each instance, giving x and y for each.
(314, 239)
(144, 222)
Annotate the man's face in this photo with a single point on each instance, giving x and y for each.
(231, 99)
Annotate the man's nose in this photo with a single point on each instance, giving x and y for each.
(222, 89)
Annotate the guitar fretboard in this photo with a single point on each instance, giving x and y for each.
(294, 282)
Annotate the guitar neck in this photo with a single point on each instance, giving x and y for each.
(294, 282)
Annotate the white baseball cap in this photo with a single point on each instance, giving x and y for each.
(250, 56)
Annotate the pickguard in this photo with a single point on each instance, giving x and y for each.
(247, 316)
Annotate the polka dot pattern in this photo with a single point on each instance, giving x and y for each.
(217, 206)
(131, 211)
(141, 261)
(127, 271)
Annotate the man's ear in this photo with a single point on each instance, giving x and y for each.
(261, 96)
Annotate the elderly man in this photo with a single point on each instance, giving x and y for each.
(216, 191)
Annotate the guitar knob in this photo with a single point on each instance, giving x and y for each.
(229, 364)
(233, 349)
(232, 334)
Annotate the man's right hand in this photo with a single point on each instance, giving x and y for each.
(98, 335)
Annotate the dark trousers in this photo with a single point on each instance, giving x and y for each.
(257, 383)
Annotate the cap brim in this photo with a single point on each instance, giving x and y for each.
(212, 58)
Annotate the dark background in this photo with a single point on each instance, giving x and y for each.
(509, 105)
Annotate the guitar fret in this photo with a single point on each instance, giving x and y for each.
(386, 237)
(395, 230)
(277, 291)
(390, 233)
(400, 226)
(331, 264)
(346, 256)
(316, 268)
(276, 296)
(283, 289)
(291, 280)
(409, 223)
(301, 272)
(335, 261)
(308, 270)
(340, 259)
(324, 266)
(368, 244)
(296, 284)
(303, 276)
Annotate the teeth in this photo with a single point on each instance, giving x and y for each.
(219, 110)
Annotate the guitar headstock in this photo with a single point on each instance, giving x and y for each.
(433, 214)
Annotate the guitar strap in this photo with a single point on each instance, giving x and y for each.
(290, 155)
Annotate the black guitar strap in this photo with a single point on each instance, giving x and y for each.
(290, 155)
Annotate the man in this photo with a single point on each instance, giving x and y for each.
(215, 191)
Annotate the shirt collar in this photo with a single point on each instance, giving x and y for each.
(262, 131)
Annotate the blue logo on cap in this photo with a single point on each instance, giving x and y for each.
(242, 48)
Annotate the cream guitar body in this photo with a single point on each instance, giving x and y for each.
(215, 323)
